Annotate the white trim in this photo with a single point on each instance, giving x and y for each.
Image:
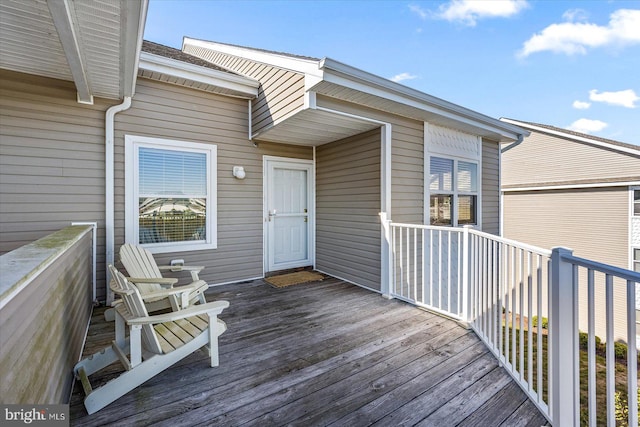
(299, 65)
(167, 66)
(132, 143)
(131, 43)
(350, 281)
(571, 186)
(309, 165)
(63, 14)
(574, 137)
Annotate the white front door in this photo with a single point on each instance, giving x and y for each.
(288, 213)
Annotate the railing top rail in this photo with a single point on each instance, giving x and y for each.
(426, 227)
(603, 268)
(515, 243)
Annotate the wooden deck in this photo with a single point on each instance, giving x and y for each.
(318, 354)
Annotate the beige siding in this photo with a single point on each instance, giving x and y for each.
(347, 206)
(281, 91)
(44, 325)
(592, 222)
(407, 175)
(547, 159)
(172, 112)
(51, 161)
(490, 187)
(407, 152)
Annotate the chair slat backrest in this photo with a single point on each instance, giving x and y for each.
(140, 263)
(135, 305)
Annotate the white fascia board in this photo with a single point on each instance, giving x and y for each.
(160, 64)
(62, 13)
(133, 19)
(571, 186)
(299, 65)
(348, 76)
(574, 137)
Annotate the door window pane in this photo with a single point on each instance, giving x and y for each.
(440, 206)
(441, 173)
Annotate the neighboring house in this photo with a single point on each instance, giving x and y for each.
(323, 147)
(564, 188)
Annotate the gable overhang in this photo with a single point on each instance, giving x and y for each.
(354, 85)
(180, 73)
(93, 44)
(577, 138)
(310, 125)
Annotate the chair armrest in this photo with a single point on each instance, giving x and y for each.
(181, 268)
(215, 308)
(170, 281)
(168, 292)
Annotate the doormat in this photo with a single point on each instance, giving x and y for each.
(291, 279)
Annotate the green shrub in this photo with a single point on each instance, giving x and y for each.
(622, 408)
(620, 349)
(545, 322)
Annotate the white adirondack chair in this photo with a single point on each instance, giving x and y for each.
(147, 276)
(154, 343)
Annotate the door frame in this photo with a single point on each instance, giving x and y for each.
(309, 166)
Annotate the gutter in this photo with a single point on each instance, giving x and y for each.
(510, 146)
(109, 185)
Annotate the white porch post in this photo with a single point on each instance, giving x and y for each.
(385, 286)
(563, 328)
(465, 274)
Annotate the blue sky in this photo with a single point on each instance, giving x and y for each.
(571, 64)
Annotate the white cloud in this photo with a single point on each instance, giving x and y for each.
(418, 11)
(469, 12)
(573, 15)
(624, 98)
(587, 125)
(403, 76)
(581, 105)
(577, 37)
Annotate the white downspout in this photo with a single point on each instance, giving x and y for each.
(109, 213)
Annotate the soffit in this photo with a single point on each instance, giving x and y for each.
(315, 127)
(35, 41)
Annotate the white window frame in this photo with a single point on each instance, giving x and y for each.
(632, 190)
(455, 192)
(442, 149)
(132, 145)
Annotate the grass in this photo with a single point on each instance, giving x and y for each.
(532, 375)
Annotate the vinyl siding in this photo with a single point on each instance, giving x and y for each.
(165, 111)
(407, 174)
(490, 187)
(281, 91)
(347, 206)
(51, 161)
(407, 159)
(592, 222)
(543, 159)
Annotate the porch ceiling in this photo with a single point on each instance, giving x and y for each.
(92, 43)
(315, 127)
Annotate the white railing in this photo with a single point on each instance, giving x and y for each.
(506, 291)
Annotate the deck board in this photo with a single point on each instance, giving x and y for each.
(318, 354)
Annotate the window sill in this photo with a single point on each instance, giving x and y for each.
(163, 248)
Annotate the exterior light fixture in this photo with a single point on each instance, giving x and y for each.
(238, 172)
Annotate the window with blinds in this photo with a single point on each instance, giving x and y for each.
(173, 193)
(453, 188)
